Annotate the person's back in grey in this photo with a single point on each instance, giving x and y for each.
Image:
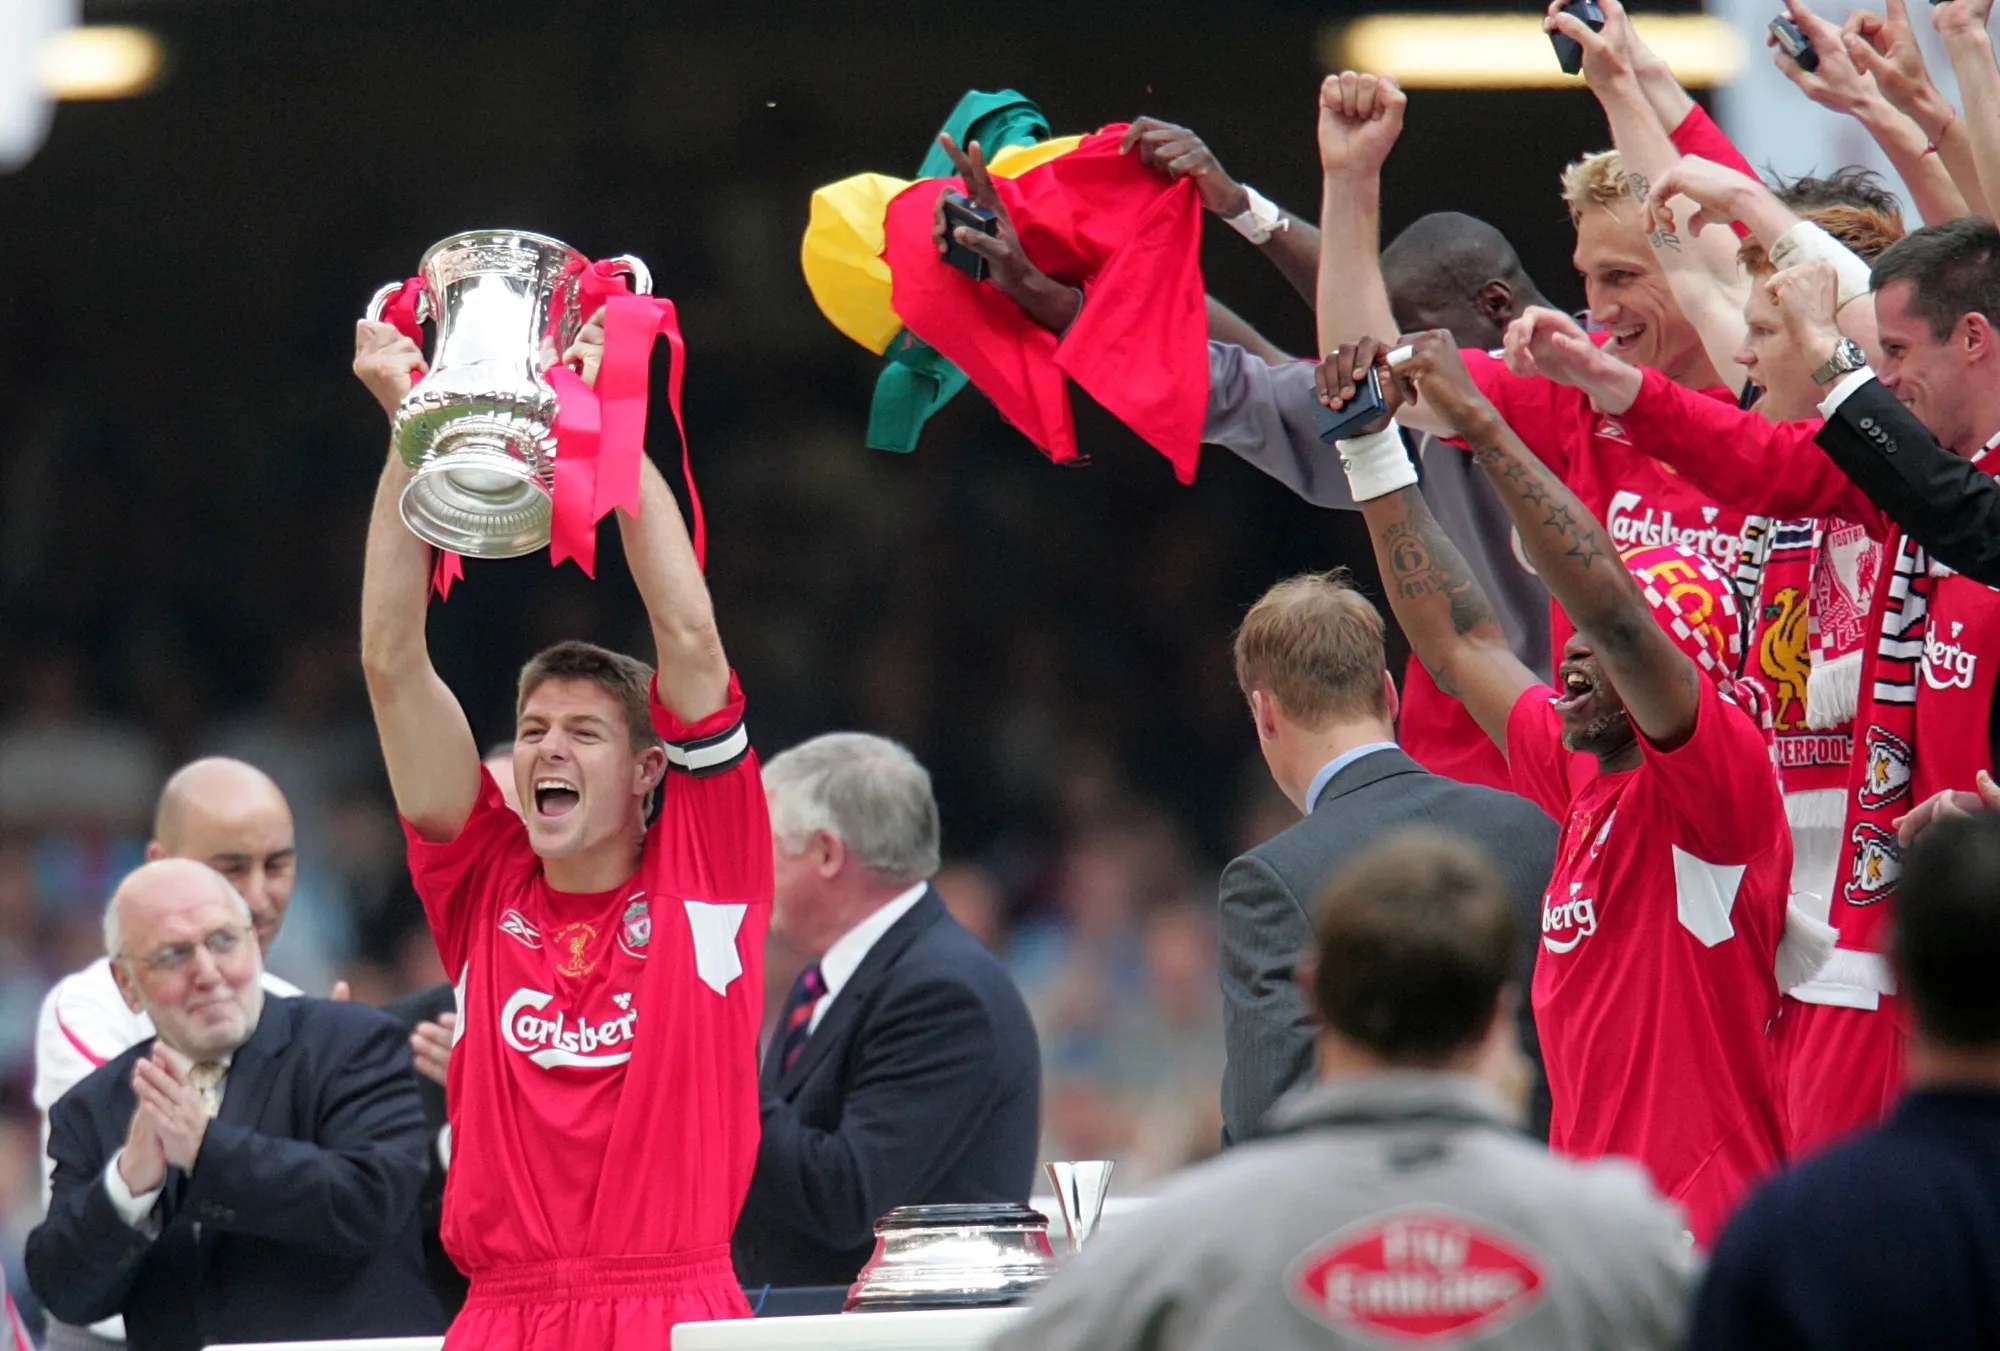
(1393, 1203)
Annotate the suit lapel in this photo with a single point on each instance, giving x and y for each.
(255, 1063)
(833, 1028)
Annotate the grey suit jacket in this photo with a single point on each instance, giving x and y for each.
(1267, 898)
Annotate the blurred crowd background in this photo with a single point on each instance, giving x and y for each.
(185, 466)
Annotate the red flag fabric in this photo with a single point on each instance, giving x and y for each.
(1095, 219)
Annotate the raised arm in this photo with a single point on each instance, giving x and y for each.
(1700, 265)
(1840, 86)
(1436, 599)
(1569, 549)
(693, 672)
(427, 744)
(1360, 117)
(1885, 46)
(1291, 244)
(1736, 456)
(1962, 25)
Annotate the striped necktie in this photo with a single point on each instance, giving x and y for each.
(807, 991)
(206, 1079)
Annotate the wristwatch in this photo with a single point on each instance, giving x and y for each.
(1847, 356)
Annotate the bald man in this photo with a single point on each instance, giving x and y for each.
(232, 817)
(250, 1172)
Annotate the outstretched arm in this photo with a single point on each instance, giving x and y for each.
(1569, 549)
(1962, 24)
(1700, 266)
(427, 744)
(1885, 46)
(1360, 117)
(693, 673)
(1292, 244)
(1840, 86)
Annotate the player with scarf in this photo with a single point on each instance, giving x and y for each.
(1925, 721)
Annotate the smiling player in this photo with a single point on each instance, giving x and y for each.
(603, 1082)
(1655, 982)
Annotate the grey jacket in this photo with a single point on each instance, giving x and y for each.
(1385, 1199)
(1267, 415)
(1267, 898)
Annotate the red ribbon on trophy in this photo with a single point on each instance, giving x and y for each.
(400, 309)
(600, 432)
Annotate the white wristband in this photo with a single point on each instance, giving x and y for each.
(1376, 463)
(1261, 220)
(1807, 243)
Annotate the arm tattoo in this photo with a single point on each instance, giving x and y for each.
(1660, 237)
(1565, 521)
(1424, 562)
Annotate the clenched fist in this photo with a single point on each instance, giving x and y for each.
(386, 362)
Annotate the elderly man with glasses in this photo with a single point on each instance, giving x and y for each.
(250, 1172)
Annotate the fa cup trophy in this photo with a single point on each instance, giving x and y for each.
(479, 429)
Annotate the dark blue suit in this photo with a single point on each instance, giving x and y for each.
(921, 1085)
(299, 1217)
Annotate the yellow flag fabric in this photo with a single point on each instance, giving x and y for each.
(842, 251)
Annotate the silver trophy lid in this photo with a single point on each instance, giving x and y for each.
(1080, 1192)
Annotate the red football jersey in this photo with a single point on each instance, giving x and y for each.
(603, 1085)
(1638, 498)
(1654, 987)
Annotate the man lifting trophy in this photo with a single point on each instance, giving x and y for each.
(603, 1085)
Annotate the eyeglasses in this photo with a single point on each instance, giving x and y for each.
(174, 958)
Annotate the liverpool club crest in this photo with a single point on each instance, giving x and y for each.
(638, 928)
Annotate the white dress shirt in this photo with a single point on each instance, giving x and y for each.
(844, 958)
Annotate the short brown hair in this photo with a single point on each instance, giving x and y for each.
(1595, 180)
(1315, 643)
(1866, 231)
(1954, 269)
(1416, 942)
(626, 679)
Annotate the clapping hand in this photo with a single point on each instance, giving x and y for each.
(177, 1111)
(431, 1044)
(143, 1162)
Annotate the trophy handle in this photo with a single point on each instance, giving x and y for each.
(419, 309)
(641, 275)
